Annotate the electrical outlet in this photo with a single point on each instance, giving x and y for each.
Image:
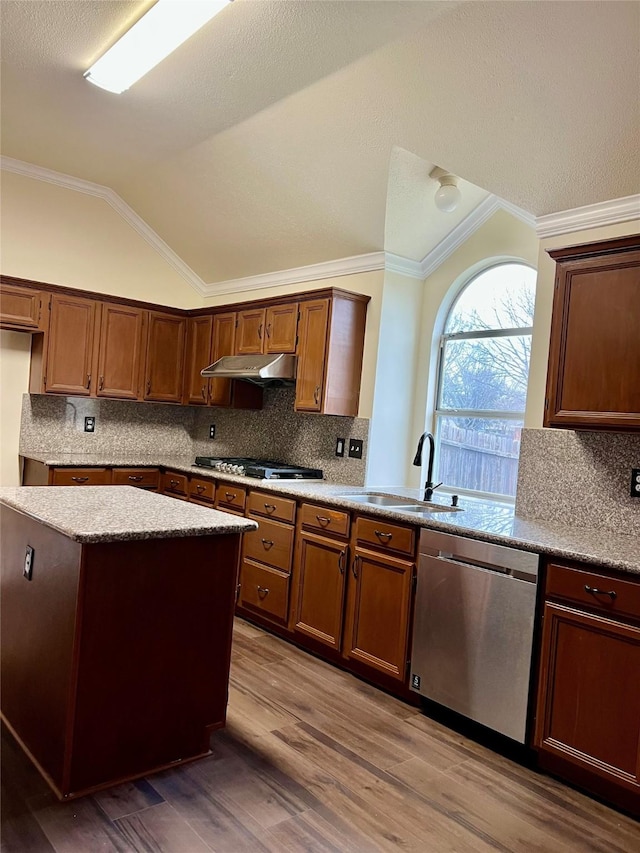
(28, 563)
(90, 424)
(340, 442)
(212, 431)
(355, 448)
(635, 482)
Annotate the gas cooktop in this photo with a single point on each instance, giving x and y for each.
(259, 469)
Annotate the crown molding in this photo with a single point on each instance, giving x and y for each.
(313, 272)
(19, 167)
(610, 212)
(402, 265)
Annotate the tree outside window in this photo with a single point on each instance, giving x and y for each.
(482, 381)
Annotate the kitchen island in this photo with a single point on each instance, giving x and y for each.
(117, 609)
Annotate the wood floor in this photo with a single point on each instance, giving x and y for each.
(313, 759)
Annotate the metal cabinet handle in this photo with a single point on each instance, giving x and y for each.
(263, 592)
(101, 383)
(204, 392)
(200, 489)
(594, 591)
(316, 394)
(323, 520)
(148, 386)
(268, 543)
(88, 380)
(341, 561)
(230, 496)
(260, 331)
(356, 565)
(174, 482)
(382, 535)
(79, 479)
(135, 478)
(270, 507)
(268, 330)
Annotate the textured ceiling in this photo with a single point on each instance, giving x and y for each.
(267, 141)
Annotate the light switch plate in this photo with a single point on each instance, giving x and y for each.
(355, 448)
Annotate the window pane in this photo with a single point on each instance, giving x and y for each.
(485, 373)
(501, 297)
(479, 454)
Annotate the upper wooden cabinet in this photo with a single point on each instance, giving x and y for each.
(199, 335)
(593, 380)
(69, 348)
(281, 328)
(120, 351)
(23, 309)
(330, 351)
(164, 358)
(250, 332)
(224, 331)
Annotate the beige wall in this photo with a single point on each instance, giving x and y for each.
(60, 236)
(544, 299)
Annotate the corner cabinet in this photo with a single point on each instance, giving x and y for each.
(593, 380)
(588, 714)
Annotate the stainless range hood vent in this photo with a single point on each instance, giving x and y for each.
(260, 369)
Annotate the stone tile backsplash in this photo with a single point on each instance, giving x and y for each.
(57, 424)
(579, 478)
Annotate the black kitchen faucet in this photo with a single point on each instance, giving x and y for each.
(429, 488)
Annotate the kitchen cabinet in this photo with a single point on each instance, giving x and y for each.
(199, 337)
(330, 351)
(224, 331)
(23, 309)
(593, 379)
(68, 363)
(202, 490)
(140, 478)
(588, 709)
(120, 351)
(164, 362)
(175, 485)
(80, 477)
(281, 328)
(231, 498)
(250, 332)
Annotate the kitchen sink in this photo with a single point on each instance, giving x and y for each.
(402, 504)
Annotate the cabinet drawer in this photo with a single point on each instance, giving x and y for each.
(202, 489)
(231, 497)
(281, 509)
(264, 590)
(81, 477)
(592, 589)
(175, 484)
(378, 533)
(143, 478)
(324, 519)
(271, 543)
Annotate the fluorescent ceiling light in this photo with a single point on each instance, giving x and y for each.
(157, 34)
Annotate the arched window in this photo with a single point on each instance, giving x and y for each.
(482, 381)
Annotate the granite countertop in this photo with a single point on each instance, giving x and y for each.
(490, 521)
(97, 514)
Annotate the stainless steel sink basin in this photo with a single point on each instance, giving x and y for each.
(402, 504)
(428, 508)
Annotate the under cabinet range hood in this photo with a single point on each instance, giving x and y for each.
(261, 369)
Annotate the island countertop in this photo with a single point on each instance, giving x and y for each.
(120, 513)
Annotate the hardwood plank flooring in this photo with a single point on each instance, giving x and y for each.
(315, 760)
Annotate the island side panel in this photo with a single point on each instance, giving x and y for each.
(38, 628)
(153, 671)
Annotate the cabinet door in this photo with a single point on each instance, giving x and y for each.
(314, 324)
(199, 334)
(165, 358)
(321, 572)
(378, 606)
(281, 328)
(594, 363)
(250, 332)
(70, 349)
(120, 351)
(589, 695)
(19, 308)
(224, 330)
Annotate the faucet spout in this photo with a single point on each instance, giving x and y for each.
(429, 487)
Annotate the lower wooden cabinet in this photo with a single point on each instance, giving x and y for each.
(80, 477)
(588, 714)
(141, 478)
(321, 580)
(176, 485)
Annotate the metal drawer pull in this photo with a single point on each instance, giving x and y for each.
(174, 483)
(270, 507)
(79, 479)
(101, 383)
(323, 520)
(88, 380)
(260, 331)
(316, 395)
(382, 535)
(268, 330)
(355, 565)
(200, 489)
(341, 560)
(230, 496)
(263, 591)
(594, 591)
(204, 392)
(135, 479)
(268, 543)
(148, 386)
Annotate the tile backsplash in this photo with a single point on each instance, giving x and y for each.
(57, 424)
(579, 478)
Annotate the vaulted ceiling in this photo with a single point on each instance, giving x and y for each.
(267, 141)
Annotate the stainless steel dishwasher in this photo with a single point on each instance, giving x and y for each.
(473, 629)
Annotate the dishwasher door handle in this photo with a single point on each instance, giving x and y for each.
(516, 574)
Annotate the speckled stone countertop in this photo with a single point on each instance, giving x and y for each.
(489, 521)
(97, 514)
